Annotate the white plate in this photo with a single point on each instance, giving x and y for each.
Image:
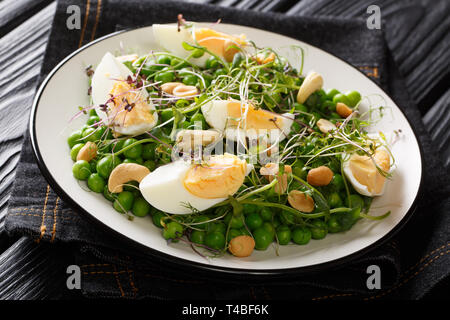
(64, 90)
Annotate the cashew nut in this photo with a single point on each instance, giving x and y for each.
(168, 87)
(343, 110)
(325, 126)
(270, 170)
(124, 173)
(320, 176)
(241, 246)
(301, 201)
(312, 83)
(184, 91)
(189, 139)
(88, 152)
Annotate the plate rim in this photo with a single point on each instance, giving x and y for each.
(197, 266)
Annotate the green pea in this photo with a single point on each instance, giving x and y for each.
(197, 53)
(156, 218)
(190, 80)
(244, 231)
(134, 152)
(164, 59)
(328, 105)
(337, 182)
(250, 208)
(124, 201)
(335, 115)
(219, 72)
(266, 214)
(353, 97)
(269, 227)
(283, 235)
(177, 63)
(81, 170)
(253, 221)
(96, 183)
(74, 138)
(212, 62)
(93, 165)
(117, 145)
(141, 207)
(108, 195)
(300, 107)
(301, 235)
(74, 151)
(237, 222)
(215, 240)
(263, 238)
(312, 101)
(276, 222)
(335, 200)
(198, 236)
(173, 230)
(341, 98)
(237, 60)
(106, 164)
(217, 227)
(319, 229)
(148, 151)
(92, 120)
(287, 218)
(233, 233)
(164, 77)
(131, 185)
(333, 225)
(92, 134)
(331, 93)
(355, 201)
(199, 222)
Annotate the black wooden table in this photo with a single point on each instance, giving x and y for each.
(417, 33)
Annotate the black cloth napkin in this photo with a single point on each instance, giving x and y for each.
(412, 262)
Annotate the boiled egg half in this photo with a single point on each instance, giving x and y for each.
(129, 112)
(219, 43)
(239, 120)
(363, 174)
(179, 185)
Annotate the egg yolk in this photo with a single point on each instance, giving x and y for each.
(365, 171)
(128, 107)
(255, 118)
(218, 42)
(220, 177)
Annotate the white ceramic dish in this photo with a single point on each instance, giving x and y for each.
(65, 89)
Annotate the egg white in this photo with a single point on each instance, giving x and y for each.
(170, 39)
(102, 83)
(360, 188)
(216, 115)
(164, 190)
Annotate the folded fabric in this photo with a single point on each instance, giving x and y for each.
(111, 268)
